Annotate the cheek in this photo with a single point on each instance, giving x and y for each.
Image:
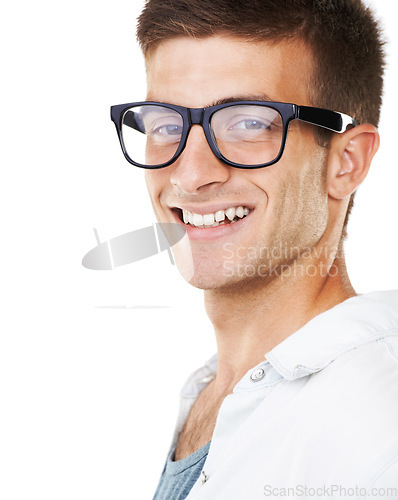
(153, 190)
(148, 182)
(299, 202)
(310, 205)
(306, 162)
(155, 183)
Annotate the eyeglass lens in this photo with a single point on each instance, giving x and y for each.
(244, 134)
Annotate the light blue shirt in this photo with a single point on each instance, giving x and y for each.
(318, 418)
(179, 476)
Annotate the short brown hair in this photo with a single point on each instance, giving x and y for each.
(343, 35)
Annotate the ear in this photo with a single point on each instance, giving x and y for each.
(350, 156)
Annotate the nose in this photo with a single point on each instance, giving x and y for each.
(197, 170)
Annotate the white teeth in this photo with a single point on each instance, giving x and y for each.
(208, 219)
(197, 220)
(220, 215)
(230, 213)
(240, 212)
(214, 219)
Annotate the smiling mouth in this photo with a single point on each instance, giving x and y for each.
(221, 217)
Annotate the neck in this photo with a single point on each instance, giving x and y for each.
(251, 318)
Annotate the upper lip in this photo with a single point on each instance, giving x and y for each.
(209, 209)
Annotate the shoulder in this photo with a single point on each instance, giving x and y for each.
(364, 379)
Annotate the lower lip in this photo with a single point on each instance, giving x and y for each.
(212, 233)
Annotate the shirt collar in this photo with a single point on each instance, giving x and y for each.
(354, 322)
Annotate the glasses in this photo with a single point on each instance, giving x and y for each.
(243, 134)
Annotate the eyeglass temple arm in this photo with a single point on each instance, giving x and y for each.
(130, 121)
(331, 120)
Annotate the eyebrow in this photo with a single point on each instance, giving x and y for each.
(248, 97)
(227, 100)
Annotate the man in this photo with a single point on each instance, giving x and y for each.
(302, 397)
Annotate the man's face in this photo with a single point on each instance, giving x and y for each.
(287, 201)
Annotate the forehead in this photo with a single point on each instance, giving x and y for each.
(198, 72)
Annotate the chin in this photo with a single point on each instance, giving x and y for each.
(199, 271)
(205, 274)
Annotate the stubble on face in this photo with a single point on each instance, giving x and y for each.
(297, 224)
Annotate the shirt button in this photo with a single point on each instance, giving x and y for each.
(257, 375)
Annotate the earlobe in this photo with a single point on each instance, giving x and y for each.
(350, 157)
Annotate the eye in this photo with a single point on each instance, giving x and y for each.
(167, 130)
(251, 124)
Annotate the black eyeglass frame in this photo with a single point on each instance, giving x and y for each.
(325, 118)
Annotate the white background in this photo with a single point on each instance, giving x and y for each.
(89, 394)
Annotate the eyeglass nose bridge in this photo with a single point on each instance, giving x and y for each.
(196, 116)
(201, 117)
